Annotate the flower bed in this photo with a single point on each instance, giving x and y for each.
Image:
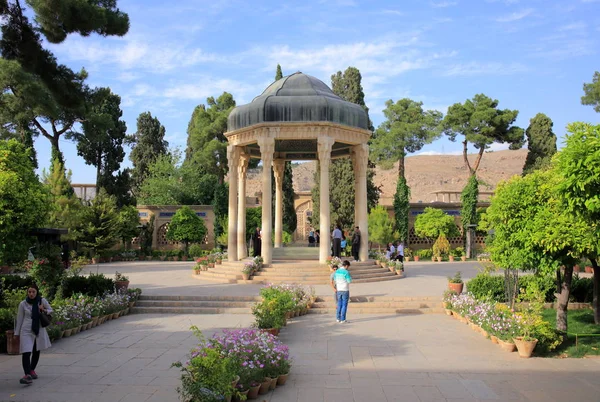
(233, 363)
(498, 322)
(281, 302)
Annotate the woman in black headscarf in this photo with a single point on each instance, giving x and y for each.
(33, 336)
(256, 243)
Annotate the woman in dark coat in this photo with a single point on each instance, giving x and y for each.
(256, 243)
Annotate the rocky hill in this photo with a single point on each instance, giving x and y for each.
(426, 174)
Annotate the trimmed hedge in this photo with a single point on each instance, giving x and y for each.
(15, 281)
(489, 286)
(92, 285)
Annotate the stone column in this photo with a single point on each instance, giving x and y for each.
(360, 159)
(278, 167)
(324, 149)
(233, 156)
(242, 251)
(267, 147)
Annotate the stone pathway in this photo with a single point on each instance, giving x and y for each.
(372, 358)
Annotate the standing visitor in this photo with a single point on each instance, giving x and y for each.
(317, 237)
(356, 243)
(311, 238)
(256, 243)
(33, 337)
(340, 282)
(337, 241)
(400, 252)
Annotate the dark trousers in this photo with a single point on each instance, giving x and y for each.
(355, 248)
(30, 360)
(399, 258)
(337, 247)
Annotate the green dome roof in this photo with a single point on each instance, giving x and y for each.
(298, 98)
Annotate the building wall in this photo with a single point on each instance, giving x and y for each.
(163, 215)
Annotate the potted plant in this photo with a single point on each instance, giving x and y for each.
(202, 264)
(408, 254)
(211, 260)
(12, 299)
(121, 282)
(460, 252)
(399, 268)
(268, 316)
(248, 270)
(455, 283)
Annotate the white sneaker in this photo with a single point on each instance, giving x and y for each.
(337, 321)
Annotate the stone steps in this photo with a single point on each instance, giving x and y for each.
(381, 305)
(195, 304)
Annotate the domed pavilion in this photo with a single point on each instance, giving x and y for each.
(296, 118)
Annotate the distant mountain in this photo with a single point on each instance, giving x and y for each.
(426, 174)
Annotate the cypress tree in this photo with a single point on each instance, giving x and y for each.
(541, 142)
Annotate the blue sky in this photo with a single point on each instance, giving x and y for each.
(531, 55)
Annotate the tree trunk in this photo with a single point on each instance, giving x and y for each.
(465, 157)
(596, 299)
(477, 161)
(98, 168)
(562, 299)
(401, 168)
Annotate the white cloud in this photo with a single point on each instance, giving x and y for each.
(392, 12)
(490, 68)
(443, 4)
(517, 15)
(576, 26)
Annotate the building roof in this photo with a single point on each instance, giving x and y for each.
(298, 98)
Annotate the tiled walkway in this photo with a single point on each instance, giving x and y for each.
(372, 358)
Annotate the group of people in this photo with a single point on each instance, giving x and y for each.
(395, 253)
(339, 242)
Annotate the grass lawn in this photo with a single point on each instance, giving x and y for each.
(579, 322)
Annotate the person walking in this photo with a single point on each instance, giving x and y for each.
(400, 252)
(33, 337)
(355, 243)
(256, 243)
(340, 282)
(337, 241)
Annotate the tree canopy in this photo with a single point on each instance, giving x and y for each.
(541, 142)
(23, 200)
(148, 143)
(433, 223)
(381, 228)
(407, 129)
(591, 92)
(186, 227)
(481, 124)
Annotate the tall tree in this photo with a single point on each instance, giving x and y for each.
(407, 129)
(56, 96)
(148, 143)
(278, 73)
(578, 164)
(186, 227)
(101, 143)
(23, 201)
(541, 142)
(592, 93)
(348, 86)
(206, 142)
(99, 228)
(481, 124)
(65, 207)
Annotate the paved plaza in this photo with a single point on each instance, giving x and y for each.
(372, 358)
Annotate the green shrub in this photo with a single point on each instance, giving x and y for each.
(582, 289)
(99, 285)
(486, 286)
(547, 285)
(197, 251)
(75, 284)
(15, 281)
(425, 253)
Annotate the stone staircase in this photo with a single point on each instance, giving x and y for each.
(381, 305)
(296, 271)
(323, 305)
(195, 304)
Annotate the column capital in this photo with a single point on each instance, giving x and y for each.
(244, 159)
(267, 147)
(233, 155)
(278, 167)
(324, 148)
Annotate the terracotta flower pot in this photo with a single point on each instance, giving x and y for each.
(246, 277)
(282, 379)
(253, 392)
(525, 348)
(456, 287)
(463, 258)
(407, 259)
(417, 258)
(448, 311)
(589, 270)
(121, 285)
(506, 346)
(264, 386)
(439, 259)
(68, 333)
(576, 268)
(494, 339)
(451, 258)
(273, 384)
